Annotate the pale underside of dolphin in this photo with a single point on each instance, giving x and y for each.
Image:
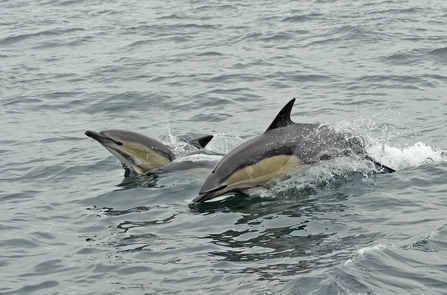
(274, 155)
(139, 152)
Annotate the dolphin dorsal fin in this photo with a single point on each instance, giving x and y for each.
(201, 142)
(283, 117)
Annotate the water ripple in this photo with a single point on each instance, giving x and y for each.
(73, 220)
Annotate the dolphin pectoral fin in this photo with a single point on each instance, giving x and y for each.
(156, 171)
(385, 168)
(138, 169)
(152, 172)
(201, 142)
(381, 166)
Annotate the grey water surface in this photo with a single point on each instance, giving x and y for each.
(71, 220)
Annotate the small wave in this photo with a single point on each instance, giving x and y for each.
(70, 2)
(405, 58)
(211, 53)
(362, 251)
(439, 54)
(302, 18)
(432, 242)
(172, 16)
(54, 32)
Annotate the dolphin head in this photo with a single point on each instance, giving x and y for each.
(140, 152)
(213, 186)
(252, 164)
(234, 172)
(134, 150)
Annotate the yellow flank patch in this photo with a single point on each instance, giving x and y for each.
(143, 156)
(263, 171)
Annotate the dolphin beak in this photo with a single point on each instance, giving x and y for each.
(101, 138)
(201, 198)
(93, 134)
(208, 194)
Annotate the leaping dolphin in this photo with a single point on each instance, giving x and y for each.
(138, 151)
(284, 147)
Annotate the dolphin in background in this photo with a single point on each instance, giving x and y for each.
(139, 152)
(282, 149)
(202, 159)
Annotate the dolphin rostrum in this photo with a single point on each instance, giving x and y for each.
(283, 148)
(138, 151)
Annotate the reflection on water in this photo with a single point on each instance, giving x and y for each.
(133, 180)
(126, 225)
(305, 227)
(112, 212)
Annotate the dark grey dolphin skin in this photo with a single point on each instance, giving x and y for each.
(137, 151)
(284, 147)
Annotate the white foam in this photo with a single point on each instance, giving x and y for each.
(199, 157)
(408, 157)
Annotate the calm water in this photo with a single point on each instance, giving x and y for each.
(71, 222)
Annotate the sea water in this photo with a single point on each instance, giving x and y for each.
(73, 222)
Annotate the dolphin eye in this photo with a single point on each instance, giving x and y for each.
(119, 143)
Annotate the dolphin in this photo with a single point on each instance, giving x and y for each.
(202, 159)
(138, 151)
(282, 149)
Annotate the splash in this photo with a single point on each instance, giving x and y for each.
(382, 149)
(200, 157)
(408, 157)
(346, 169)
(163, 119)
(224, 142)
